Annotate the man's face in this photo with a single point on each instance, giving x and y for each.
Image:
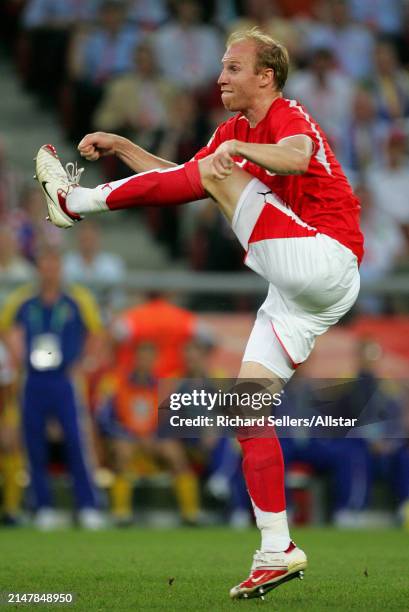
(49, 269)
(239, 84)
(88, 240)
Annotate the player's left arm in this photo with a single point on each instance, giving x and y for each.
(291, 155)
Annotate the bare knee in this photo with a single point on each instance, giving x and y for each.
(227, 190)
(266, 378)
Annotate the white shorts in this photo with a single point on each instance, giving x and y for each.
(313, 279)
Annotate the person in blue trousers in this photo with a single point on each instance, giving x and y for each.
(47, 326)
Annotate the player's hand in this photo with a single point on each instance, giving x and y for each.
(222, 159)
(96, 145)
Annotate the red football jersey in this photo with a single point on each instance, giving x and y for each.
(322, 196)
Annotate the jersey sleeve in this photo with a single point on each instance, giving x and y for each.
(211, 146)
(11, 310)
(88, 308)
(293, 122)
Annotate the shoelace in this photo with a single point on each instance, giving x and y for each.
(73, 173)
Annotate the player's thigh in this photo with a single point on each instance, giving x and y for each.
(302, 263)
(298, 321)
(264, 357)
(260, 215)
(226, 192)
(313, 272)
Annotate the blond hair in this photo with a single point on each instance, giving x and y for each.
(269, 53)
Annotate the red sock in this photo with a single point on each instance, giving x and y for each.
(177, 185)
(263, 468)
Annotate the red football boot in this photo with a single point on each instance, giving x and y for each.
(269, 570)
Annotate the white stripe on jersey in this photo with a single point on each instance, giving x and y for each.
(320, 155)
(212, 137)
(278, 203)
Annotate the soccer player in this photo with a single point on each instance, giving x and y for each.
(272, 173)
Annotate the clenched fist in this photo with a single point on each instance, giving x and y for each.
(222, 159)
(96, 145)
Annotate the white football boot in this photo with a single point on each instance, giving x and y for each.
(56, 183)
(269, 570)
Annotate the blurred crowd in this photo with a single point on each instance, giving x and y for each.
(148, 71)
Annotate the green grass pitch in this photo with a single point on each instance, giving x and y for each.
(132, 570)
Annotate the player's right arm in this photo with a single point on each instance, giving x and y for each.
(99, 144)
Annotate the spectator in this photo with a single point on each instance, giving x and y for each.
(266, 14)
(383, 16)
(188, 51)
(96, 56)
(107, 50)
(137, 104)
(10, 184)
(56, 13)
(161, 322)
(350, 460)
(362, 142)
(48, 25)
(390, 83)
(187, 128)
(341, 459)
(14, 269)
(384, 437)
(390, 183)
(299, 8)
(11, 460)
(129, 419)
(89, 264)
(351, 43)
(148, 15)
(384, 245)
(389, 462)
(28, 223)
(51, 328)
(326, 92)
(225, 11)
